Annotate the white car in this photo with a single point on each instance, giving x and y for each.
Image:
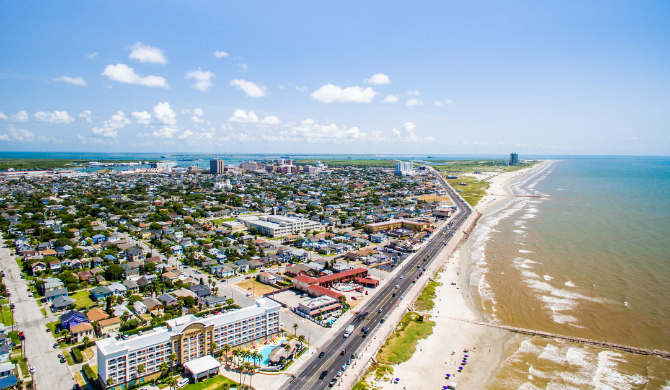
(401, 276)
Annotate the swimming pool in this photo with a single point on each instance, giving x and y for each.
(345, 287)
(265, 351)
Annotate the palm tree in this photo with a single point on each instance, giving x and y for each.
(258, 357)
(172, 358)
(251, 370)
(110, 381)
(86, 340)
(301, 339)
(295, 329)
(213, 347)
(287, 348)
(172, 382)
(164, 368)
(226, 349)
(140, 369)
(236, 354)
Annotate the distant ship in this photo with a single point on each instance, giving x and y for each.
(430, 156)
(163, 157)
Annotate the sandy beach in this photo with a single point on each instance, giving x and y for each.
(442, 352)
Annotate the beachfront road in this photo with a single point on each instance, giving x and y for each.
(380, 305)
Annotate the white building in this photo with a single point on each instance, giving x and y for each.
(404, 168)
(279, 225)
(189, 337)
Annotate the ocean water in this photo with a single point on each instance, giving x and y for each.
(589, 258)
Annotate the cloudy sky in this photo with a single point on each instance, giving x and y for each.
(481, 77)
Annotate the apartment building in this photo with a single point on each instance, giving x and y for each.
(279, 225)
(189, 337)
(318, 306)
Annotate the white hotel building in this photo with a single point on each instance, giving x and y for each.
(189, 337)
(279, 225)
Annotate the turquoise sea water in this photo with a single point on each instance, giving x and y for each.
(589, 258)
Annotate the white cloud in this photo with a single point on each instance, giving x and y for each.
(202, 79)
(408, 134)
(301, 89)
(330, 93)
(249, 88)
(185, 134)
(165, 132)
(391, 99)
(85, 115)
(165, 114)
(270, 120)
(310, 132)
(21, 116)
(110, 127)
(415, 92)
(197, 119)
(4, 137)
(198, 112)
(92, 55)
(413, 102)
(54, 117)
(125, 74)
(379, 78)
(142, 117)
(20, 135)
(72, 80)
(440, 103)
(145, 53)
(240, 116)
(220, 54)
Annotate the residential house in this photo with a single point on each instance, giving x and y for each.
(96, 314)
(139, 308)
(101, 292)
(223, 271)
(55, 266)
(53, 294)
(135, 254)
(7, 377)
(166, 299)
(118, 289)
(153, 305)
(72, 318)
(131, 286)
(62, 303)
(109, 325)
(270, 278)
(85, 276)
(214, 300)
(80, 331)
(38, 267)
(243, 266)
(200, 290)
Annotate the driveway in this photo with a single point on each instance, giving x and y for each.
(49, 372)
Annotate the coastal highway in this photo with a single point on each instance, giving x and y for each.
(380, 305)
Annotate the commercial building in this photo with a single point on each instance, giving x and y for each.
(216, 165)
(404, 168)
(279, 226)
(189, 337)
(396, 224)
(165, 166)
(318, 306)
(513, 159)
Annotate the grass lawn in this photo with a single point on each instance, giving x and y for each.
(44, 312)
(221, 220)
(88, 354)
(402, 344)
(52, 326)
(7, 316)
(68, 358)
(432, 198)
(473, 192)
(251, 285)
(82, 299)
(24, 367)
(425, 301)
(211, 384)
(80, 379)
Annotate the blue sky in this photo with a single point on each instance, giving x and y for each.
(485, 77)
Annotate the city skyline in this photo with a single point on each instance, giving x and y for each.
(486, 78)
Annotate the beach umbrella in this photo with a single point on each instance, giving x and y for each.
(460, 368)
(465, 356)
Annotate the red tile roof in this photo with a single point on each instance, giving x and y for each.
(324, 291)
(340, 275)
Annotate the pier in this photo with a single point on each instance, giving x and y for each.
(595, 343)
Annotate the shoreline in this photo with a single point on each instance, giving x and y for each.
(486, 346)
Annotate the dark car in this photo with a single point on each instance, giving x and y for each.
(393, 295)
(381, 321)
(62, 360)
(55, 345)
(323, 374)
(322, 354)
